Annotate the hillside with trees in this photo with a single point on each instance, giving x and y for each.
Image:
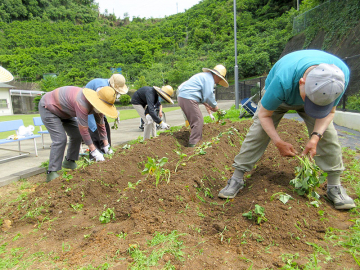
(42, 36)
(151, 51)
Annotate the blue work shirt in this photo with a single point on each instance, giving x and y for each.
(200, 88)
(282, 83)
(95, 84)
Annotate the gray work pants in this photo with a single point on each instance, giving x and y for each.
(149, 129)
(58, 128)
(328, 152)
(194, 116)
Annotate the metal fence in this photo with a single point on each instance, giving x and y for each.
(304, 20)
(252, 88)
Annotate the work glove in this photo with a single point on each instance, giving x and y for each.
(97, 155)
(107, 150)
(163, 125)
(212, 117)
(149, 119)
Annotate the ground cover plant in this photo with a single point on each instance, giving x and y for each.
(110, 215)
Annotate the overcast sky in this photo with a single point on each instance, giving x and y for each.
(145, 8)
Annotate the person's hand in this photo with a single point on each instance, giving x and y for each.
(149, 119)
(286, 149)
(163, 125)
(310, 147)
(107, 150)
(212, 117)
(97, 155)
(160, 114)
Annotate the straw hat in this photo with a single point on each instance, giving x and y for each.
(117, 81)
(165, 92)
(102, 100)
(5, 76)
(220, 71)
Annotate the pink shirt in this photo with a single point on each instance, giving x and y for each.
(69, 101)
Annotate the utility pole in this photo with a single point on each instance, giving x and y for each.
(236, 65)
(177, 10)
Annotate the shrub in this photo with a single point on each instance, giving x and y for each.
(125, 100)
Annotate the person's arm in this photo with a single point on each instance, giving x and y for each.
(285, 149)
(160, 111)
(320, 127)
(99, 119)
(208, 107)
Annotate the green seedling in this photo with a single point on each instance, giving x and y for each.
(257, 214)
(67, 176)
(126, 146)
(283, 197)
(115, 125)
(77, 207)
(220, 115)
(181, 157)
(155, 167)
(84, 162)
(308, 178)
(107, 216)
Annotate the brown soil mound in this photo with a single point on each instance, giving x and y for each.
(213, 231)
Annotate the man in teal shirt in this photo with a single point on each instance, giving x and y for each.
(311, 82)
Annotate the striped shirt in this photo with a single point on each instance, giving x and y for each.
(69, 101)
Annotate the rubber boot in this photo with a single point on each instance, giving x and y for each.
(51, 176)
(69, 164)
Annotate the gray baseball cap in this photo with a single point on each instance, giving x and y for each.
(323, 85)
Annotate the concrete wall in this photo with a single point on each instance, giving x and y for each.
(5, 94)
(348, 119)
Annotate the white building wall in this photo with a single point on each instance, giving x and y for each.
(5, 94)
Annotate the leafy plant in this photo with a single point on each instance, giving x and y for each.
(125, 99)
(283, 197)
(67, 176)
(220, 115)
(308, 178)
(107, 215)
(155, 167)
(257, 214)
(181, 157)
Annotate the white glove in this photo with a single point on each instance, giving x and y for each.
(163, 125)
(107, 150)
(149, 119)
(117, 120)
(97, 155)
(212, 117)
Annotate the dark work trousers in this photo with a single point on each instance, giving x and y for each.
(59, 129)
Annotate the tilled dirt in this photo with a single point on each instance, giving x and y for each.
(214, 232)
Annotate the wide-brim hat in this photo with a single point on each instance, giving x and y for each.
(220, 71)
(323, 85)
(117, 81)
(165, 92)
(102, 100)
(5, 75)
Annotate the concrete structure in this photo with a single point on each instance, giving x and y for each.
(347, 119)
(5, 99)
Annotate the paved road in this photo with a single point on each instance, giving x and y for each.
(15, 169)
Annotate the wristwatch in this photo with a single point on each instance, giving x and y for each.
(317, 134)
